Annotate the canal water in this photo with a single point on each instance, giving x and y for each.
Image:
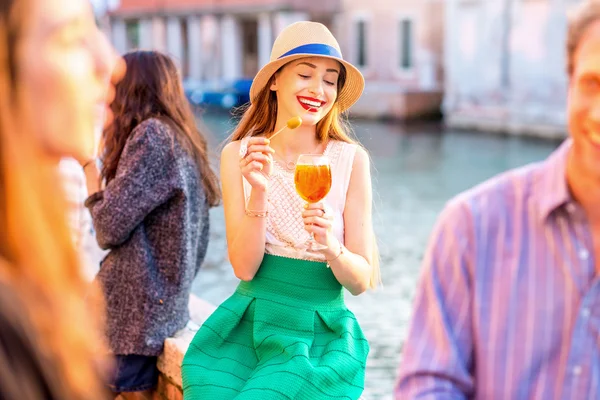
(416, 170)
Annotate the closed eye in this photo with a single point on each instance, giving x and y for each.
(304, 76)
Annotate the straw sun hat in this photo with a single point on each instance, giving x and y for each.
(309, 39)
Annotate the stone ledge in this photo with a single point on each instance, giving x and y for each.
(505, 125)
(397, 104)
(169, 362)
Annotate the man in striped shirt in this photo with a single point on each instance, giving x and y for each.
(508, 304)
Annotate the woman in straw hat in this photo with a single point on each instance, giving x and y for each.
(286, 333)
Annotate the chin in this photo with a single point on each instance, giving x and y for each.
(312, 119)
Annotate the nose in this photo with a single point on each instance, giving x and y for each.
(316, 88)
(118, 71)
(110, 67)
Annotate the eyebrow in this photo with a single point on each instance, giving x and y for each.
(314, 66)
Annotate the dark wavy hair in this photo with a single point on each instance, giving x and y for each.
(152, 88)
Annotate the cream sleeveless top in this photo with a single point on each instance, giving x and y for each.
(286, 235)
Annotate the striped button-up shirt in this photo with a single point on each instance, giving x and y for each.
(508, 303)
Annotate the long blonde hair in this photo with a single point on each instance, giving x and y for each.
(37, 258)
(260, 117)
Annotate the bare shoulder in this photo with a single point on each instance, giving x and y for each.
(360, 177)
(230, 160)
(361, 159)
(231, 150)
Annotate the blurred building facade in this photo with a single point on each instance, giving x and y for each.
(211, 39)
(506, 65)
(397, 45)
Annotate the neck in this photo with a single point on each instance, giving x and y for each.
(297, 141)
(585, 188)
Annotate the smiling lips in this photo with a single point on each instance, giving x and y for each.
(310, 103)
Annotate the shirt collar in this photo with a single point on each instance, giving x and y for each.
(553, 190)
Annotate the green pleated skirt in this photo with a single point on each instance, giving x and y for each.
(287, 334)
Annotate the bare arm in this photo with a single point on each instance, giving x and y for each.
(245, 234)
(352, 268)
(92, 177)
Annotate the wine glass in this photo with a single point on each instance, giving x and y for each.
(312, 179)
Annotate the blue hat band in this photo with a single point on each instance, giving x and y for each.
(317, 49)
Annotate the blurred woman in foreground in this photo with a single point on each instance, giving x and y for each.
(54, 65)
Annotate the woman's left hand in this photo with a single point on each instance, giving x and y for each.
(319, 222)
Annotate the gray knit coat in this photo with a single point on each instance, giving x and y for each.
(153, 217)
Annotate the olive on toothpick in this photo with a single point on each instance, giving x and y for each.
(292, 123)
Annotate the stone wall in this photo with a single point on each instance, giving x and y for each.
(505, 66)
(390, 100)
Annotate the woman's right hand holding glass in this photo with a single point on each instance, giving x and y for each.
(256, 161)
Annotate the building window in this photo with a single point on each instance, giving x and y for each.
(132, 29)
(361, 42)
(185, 48)
(406, 44)
(249, 29)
